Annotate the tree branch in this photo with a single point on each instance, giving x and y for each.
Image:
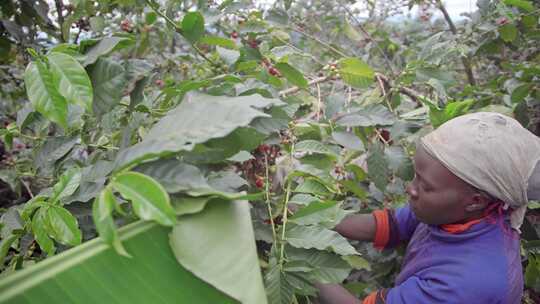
(295, 89)
(466, 62)
(59, 9)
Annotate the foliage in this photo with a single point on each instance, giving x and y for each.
(179, 113)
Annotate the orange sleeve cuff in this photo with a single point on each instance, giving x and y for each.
(376, 297)
(371, 298)
(382, 229)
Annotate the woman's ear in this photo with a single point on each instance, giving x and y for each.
(478, 202)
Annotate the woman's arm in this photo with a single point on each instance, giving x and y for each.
(360, 227)
(335, 294)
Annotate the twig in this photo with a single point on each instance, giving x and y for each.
(59, 9)
(284, 216)
(267, 190)
(415, 96)
(297, 49)
(381, 84)
(328, 46)
(379, 135)
(295, 89)
(453, 29)
(368, 35)
(179, 30)
(318, 102)
(383, 89)
(27, 187)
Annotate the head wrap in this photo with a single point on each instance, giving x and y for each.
(494, 154)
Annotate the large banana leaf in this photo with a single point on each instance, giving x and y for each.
(94, 273)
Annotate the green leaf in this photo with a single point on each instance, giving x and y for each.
(378, 167)
(292, 74)
(149, 199)
(319, 238)
(102, 210)
(189, 205)
(328, 268)
(193, 26)
(54, 149)
(5, 244)
(104, 47)
(314, 146)
(357, 262)
(150, 18)
(327, 214)
(508, 32)
(532, 272)
(228, 56)
(371, 115)
(351, 32)
(63, 225)
(525, 5)
(355, 72)
(11, 220)
(303, 199)
(348, 140)
(451, 110)
(40, 226)
(43, 93)
(226, 228)
(94, 270)
(314, 207)
(278, 288)
(240, 157)
(174, 175)
(67, 184)
(355, 188)
(312, 186)
(520, 92)
(218, 41)
(109, 80)
(184, 127)
(71, 80)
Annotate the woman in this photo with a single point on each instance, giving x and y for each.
(473, 178)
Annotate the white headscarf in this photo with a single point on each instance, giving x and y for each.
(493, 153)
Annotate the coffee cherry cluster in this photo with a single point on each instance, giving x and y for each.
(271, 69)
(83, 24)
(126, 26)
(254, 170)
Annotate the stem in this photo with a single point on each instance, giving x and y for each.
(285, 214)
(267, 190)
(27, 187)
(295, 89)
(466, 62)
(59, 9)
(383, 89)
(284, 219)
(318, 102)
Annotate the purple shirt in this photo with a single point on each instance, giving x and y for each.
(480, 265)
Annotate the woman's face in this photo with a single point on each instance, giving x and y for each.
(437, 196)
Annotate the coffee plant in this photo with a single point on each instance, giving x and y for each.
(242, 131)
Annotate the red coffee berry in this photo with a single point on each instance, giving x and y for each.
(273, 71)
(259, 182)
(502, 21)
